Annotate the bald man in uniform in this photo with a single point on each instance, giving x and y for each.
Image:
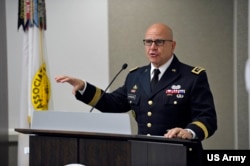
(179, 105)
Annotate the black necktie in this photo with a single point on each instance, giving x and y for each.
(155, 79)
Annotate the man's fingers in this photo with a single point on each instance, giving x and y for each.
(76, 83)
(61, 79)
(178, 133)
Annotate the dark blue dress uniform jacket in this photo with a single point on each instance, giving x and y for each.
(182, 98)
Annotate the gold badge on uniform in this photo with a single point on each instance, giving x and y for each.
(197, 70)
(134, 89)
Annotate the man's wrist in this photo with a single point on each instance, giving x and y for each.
(84, 88)
(192, 133)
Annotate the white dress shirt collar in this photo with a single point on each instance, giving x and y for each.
(162, 68)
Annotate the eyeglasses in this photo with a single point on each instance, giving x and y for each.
(158, 42)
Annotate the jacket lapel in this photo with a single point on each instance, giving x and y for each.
(145, 80)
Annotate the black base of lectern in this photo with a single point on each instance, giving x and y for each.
(58, 148)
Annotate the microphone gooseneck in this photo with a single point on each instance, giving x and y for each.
(124, 66)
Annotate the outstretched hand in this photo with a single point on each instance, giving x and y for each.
(75, 82)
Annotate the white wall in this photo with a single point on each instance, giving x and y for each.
(77, 45)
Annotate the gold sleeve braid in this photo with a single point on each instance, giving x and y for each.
(202, 126)
(96, 97)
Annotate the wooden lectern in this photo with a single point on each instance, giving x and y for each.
(58, 148)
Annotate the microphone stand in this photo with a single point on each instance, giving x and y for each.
(124, 66)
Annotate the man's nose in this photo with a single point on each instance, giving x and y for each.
(153, 45)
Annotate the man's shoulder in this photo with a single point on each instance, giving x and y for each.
(138, 69)
(194, 70)
(188, 69)
(197, 70)
(133, 69)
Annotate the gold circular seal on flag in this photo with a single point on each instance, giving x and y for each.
(40, 92)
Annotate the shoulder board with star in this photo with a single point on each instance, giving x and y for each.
(133, 69)
(197, 70)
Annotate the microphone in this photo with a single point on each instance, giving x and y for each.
(124, 66)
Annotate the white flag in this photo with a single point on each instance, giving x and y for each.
(35, 85)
